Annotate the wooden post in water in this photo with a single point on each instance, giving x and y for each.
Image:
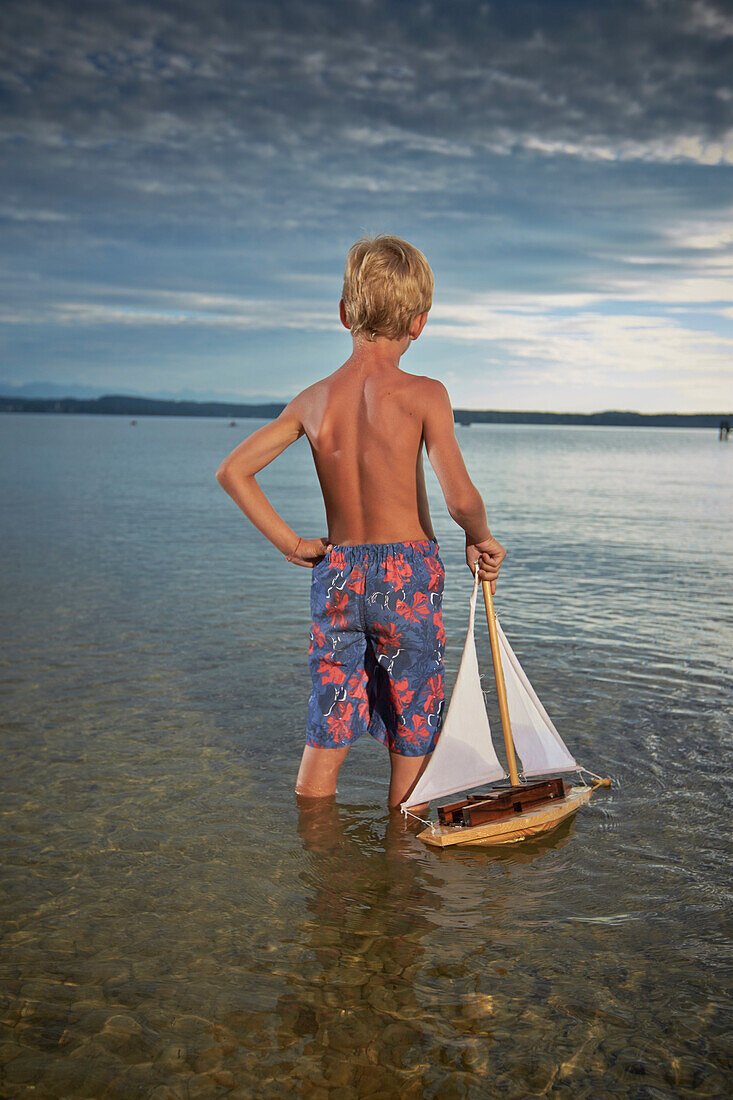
(506, 725)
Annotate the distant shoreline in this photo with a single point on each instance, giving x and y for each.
(122, 405)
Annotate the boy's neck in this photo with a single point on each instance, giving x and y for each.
(378, 353)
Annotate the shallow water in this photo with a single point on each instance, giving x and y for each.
(174, 925)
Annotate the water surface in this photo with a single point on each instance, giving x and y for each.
(175, 926)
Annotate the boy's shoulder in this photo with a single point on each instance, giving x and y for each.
(427, 392)
(432, 386)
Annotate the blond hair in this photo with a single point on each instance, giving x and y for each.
(387, 283)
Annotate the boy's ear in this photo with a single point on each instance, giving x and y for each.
(342, 315)
(418, 324)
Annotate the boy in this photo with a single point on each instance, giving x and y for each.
(376, 652)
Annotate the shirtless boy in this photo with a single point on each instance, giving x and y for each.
(376, 651)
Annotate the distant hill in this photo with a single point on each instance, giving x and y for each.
(84, 391)
(611, 418)
(121, 404)
(52, 389)
(127, 405)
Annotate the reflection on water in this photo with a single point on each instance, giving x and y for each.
(177, 924)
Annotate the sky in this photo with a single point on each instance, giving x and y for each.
(181, 182)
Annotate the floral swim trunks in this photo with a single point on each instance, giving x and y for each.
(376, 646)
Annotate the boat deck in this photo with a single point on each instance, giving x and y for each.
(509, 830)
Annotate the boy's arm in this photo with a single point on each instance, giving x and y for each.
(462, 498)
(236, 475)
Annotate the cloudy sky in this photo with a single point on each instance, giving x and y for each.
(181, 181)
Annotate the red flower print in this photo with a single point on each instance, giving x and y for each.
(436, 573)
(337, 559)
(339, 721)
(318, 638)
(405, 611)
(397, 570)
(356, 688)
(401, 694)
(420, 726)
(438, 620)
(356, 580)
(336, 607)
(435, 693)
(387, 636)
(420, 604)
(330, 672)
(419, 732)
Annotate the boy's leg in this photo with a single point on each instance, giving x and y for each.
(337, 706)
(319, 770)
(405, 629)
(406, 770)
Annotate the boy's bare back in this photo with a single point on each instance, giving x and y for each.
(364, 424)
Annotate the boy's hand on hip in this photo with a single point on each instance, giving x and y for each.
(489, 554)
(310, 552)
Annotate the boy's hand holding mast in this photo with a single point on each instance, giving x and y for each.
(490, 554)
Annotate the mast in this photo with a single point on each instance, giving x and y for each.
(511, 758)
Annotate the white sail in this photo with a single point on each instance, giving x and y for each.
(464, 756)
(536, 740)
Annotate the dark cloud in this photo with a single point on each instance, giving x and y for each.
(281, 74)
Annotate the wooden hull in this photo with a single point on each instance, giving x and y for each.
(510, 830)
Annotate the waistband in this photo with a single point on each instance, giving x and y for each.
(378, 551)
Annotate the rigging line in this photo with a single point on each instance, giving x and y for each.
(588, 771)
(418, 818)
(599, 781)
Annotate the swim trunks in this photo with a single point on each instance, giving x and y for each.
(376, 646)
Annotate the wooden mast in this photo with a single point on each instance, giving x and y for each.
(506, 725)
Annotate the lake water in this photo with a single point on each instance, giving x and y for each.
(174, 926)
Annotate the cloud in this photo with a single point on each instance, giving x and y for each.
(603, 361)
(630, 341)
(145, 308)
(713, 19)
(705, 233)
(658, 150)
(671, 324)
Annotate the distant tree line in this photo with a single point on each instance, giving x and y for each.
(123, 405)
(612, 418)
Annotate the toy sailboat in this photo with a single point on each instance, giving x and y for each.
(464, 757)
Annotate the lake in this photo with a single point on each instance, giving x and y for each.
(175, 926)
